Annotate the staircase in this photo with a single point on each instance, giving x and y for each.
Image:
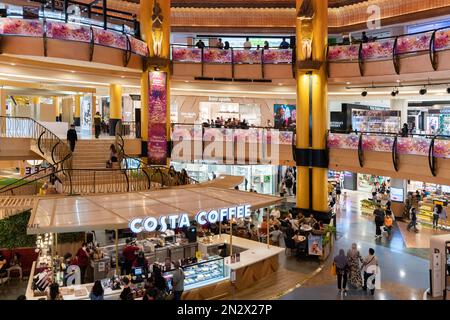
(91, 154)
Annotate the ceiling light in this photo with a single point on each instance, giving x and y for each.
(348, 83)
(280, 84)
(393, 93)
(364, 93)
(423, 91)
(398, 80)
(187, 81)
(122, 77)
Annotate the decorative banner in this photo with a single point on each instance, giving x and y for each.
(315, 247)
(109, 38)
(157, 117)
(343, 53)
(66, 31)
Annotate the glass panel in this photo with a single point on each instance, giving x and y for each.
(381, 49)
(414, 43)
(343, 53)
(29, 28)
(186, 54)
(278, 56)
(67, 31)
(213, 55)
(247, 56)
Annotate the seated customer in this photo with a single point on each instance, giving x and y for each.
(126, 293)
(113, 157)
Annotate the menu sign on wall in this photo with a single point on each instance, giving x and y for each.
(157, 114)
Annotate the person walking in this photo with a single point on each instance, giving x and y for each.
(368, 263)
(413, 222)
(178, 281)
(341, 271)
(354, 260)
(72, 137)
(389, 221)
(436, 213)
(379, 221)
(97, 124)
(289, 182)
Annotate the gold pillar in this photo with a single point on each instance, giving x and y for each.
(77, 114)
(3, 102)
(312, 107)
(146, 27)
(56, 107)
(115, 102)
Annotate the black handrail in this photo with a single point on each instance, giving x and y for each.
(391, 134)
(360, 151)
(395, 153)
(432, 52)
(432, 158)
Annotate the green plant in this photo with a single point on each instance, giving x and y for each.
(13, 232)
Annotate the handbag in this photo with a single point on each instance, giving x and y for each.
(333, 269)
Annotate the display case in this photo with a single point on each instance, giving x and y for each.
(376, 120)
(202, 273)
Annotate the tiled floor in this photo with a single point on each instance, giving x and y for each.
(404, 268)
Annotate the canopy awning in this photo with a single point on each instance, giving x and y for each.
(115, 211)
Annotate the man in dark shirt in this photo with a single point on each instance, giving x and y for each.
(284, 44)
(126, 293)
(97, 124)
(72, 137)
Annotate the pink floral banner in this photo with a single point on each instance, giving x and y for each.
(442, 40)
(138, 47)
(110, 39)
(247, 56)
(382, 49)
(377, 143)
(28, 28)
(67, 31)
(278, 56)
(414, 43)
(442, 148)
(184, 54)
(343, 141)
(343, 53)
(214, 55)
(415, 146)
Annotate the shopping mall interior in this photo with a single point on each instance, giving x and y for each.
(224, 150)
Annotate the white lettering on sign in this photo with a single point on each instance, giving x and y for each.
(150, 224)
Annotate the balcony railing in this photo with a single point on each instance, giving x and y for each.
(431, 146)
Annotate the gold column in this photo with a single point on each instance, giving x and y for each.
(3, 102)
(56, 107)
(115, 102)
(77, 114)
(146, 27)
(313, 82)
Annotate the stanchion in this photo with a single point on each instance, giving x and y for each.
(117, 252)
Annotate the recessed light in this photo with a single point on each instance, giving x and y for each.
(13, 64)
(348, 83)
(280, 84)
(398, 81)
(186, 81)
(72, 71)
(122, 77)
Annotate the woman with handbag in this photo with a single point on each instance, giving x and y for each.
(341, 264)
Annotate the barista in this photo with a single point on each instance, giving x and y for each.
(141, 262)
(129, 254)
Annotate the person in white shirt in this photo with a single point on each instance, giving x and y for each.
(247, 44)
(370, 260)
(275, 236)
(275, 213)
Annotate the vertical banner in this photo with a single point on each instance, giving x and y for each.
(157, 113)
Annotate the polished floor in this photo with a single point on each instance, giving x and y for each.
(404, 264)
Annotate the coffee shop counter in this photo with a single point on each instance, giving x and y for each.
(256, 260)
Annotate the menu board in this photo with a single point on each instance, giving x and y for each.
(157, 113)
(397, 194)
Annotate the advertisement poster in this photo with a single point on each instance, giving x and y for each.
(157, 104)
(315, 245)
(86, 114)
(285, 115)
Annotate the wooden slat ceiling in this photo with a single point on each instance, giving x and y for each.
(248, 3)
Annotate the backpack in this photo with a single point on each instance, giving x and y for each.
(379, 216)
(289, 182)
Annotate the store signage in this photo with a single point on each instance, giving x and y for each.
(219, 99)
(157, 118)
(151, 224)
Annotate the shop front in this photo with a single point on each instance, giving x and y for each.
(262, 178)
(213, 264)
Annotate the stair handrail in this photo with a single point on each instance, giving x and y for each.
(37, 131)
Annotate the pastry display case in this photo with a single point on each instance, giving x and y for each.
(202, 273)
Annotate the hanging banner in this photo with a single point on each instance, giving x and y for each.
(157, 113)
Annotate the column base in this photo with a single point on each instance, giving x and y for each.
(325, 217)
(112, 126)
(77, 122)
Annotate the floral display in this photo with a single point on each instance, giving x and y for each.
(343, 141)
(416, 146)
(247, 56)
(216, 56)
(110, 39)
(442, 40)
(414, 43)
(29, 28)
(67, 31)
(185, 54)
(343, 53)
(377, 143)
(138, 47)
(442, 148)
(378, 50)
(277, 56)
